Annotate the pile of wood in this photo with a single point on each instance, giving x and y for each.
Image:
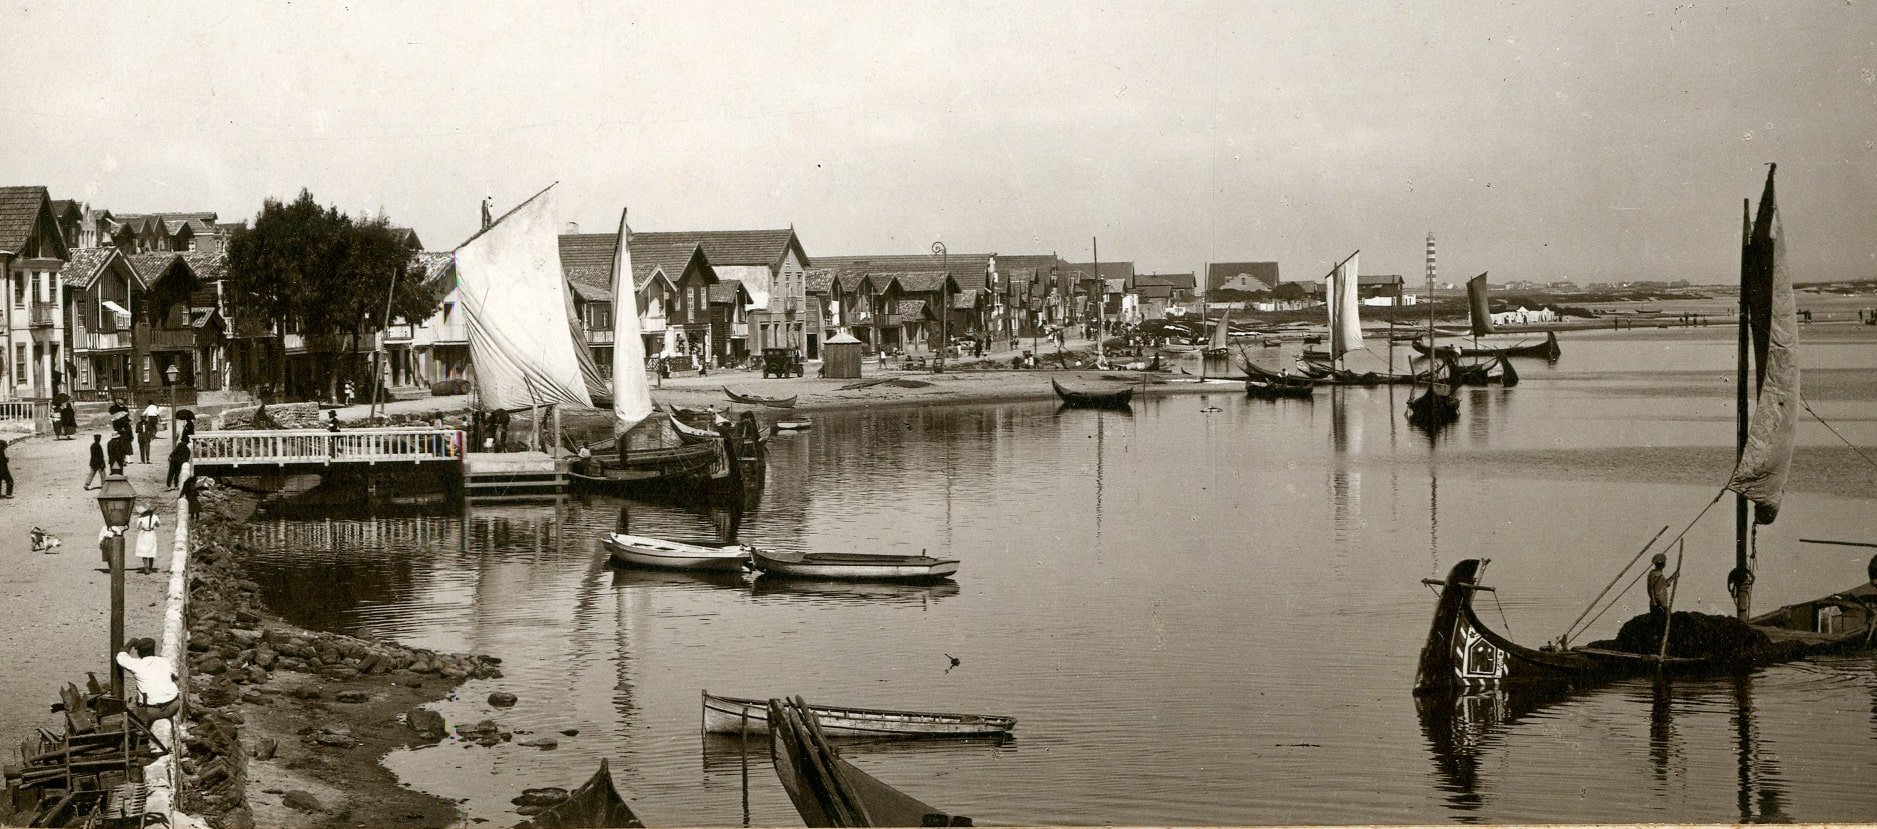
(90, 773)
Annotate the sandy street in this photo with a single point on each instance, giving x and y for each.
(55, 608)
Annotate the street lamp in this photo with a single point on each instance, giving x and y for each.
(115, 501)
(174, 373)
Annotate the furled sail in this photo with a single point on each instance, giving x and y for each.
(632, 390)
(1345, 304)
(1221, 335)
(1767, 290)
(1476, 303)
(515, 297)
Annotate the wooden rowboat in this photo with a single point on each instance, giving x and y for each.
(853, 566)
(829, 791)
(735, 715)
(757, 400)
(680, 467)
(595, 804)
(1110, 396)
(1271, 388)
(693, 434)
(793, 424)
(645, 551)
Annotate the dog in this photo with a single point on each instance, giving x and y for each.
(45, 542)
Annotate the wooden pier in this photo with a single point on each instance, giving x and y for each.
(254, 451)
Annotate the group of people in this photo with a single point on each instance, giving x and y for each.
(126, 435)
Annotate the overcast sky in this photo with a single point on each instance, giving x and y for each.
(1537, 140)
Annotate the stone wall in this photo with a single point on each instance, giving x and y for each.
(280, 416)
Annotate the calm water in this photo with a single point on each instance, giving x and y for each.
(1197, 617)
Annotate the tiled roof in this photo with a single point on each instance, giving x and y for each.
(62, 207)
(667, 253)
(818, 280)
(1108, 270)
(19, 214)
(728, 292)
(82, 264)
(587, 258)
(850, 281)
(1153, 291)
(967, 298)
(1151, 282)
(209, 266)
(1179, 281)
(970, 269)
(439, 270)
(914, 281)
(911, 307)
(732, 247)
(1218, 272)
(151, 266)
(590, 293)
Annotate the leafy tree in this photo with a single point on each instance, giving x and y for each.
(315, 271)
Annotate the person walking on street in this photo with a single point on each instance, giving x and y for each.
(146, 432)
(6, 472)
(177, 457)
(68, 420)
(348, 392)
(97, 462)
(117, 452)
(146, 525)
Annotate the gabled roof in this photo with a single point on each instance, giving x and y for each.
(728, 292)
(587, 258)
(408, 238)
(1107, 270)
(1218, 272)
(1179, 281)
(209, 266)
(967, 299)
(818, 280)
(439, 269)
(851, 281)
(22, 211)
(152, 265)
(1153, 291)
(734, 247)
(1148, 281)
(84, 265)
(590, 293)
(670, 256)
(62, 208)
(917, 282)
(969, 269)
(913, 308)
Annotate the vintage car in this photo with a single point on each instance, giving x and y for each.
(782, 362)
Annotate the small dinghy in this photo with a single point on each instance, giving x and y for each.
(645, 551)
(853, 566)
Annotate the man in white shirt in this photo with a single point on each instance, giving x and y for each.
(156, 680)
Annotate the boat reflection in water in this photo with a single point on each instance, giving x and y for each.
(767, 587)
(1460, 730)
(636, 577)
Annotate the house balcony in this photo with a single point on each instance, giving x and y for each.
(398, 333)
(888, 320)
(653, 325)
(599, 336)
(101, 341)
(451, 333)
(739, 329)
(41, 315)
(169, 339)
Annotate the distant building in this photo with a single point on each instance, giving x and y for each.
(771, 265)
(32, 254)
(1218, 273)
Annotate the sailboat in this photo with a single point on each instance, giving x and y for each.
(680, 468)
(1482, 325)
(1220, 342)
(1438, 403)
(1463, 654)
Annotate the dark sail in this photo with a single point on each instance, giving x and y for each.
(1757, 263)
(1476, 302)
(1767, 457)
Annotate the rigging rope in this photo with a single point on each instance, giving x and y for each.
(1613, 600)
(1821, 421)
(1565, 639)
(1572, 629)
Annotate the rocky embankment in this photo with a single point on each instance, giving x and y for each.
(287, 725)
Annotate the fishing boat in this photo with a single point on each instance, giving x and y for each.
(1094, 396)
(1494, 371)
(595, 804)
(1438, 403)
(1463, 653)
(736, 715)
(1523, 347)
(1221, 340)
(758, 400)
(829, 791)
(694, 434)
(853, 566)
(793, 424)
(1271, 388)
(663, 554)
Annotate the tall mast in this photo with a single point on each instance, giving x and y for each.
(1743, 510)
(1101, 309)
(1433, 353)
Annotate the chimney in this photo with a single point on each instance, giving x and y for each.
(572, 228)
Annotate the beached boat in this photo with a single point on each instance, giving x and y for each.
(1461, 652)
(595, 804)
(853, 566)
(758, 400)
(1522, 347)
(1092, 396)
(829, 791)
(736, 715)
(645, 551)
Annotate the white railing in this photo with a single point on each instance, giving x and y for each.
(20, 416)
(599, 336)
(101, 340)
(653, 325)
(285, 446)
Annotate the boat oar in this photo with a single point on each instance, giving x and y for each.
(1572, 630)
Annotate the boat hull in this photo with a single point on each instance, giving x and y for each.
(853, 567)
(829, 791)
(1115, 398)
(754, 400)
(734, 715)
(1267, 389)
(1547, 350)
(659, 554)
(595, 804)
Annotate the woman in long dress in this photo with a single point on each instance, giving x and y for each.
(146, 524)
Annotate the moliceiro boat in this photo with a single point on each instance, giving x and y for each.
(595, 804)
(734, 715)
(758, 400)
(853, 566)
(1094, 396)
(1271, 388)
(1522, 347)
(829, 791)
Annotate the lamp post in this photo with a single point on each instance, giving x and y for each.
(945, 303)
(174, 374)
(115, 500)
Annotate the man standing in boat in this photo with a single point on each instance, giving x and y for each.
(1660, 585)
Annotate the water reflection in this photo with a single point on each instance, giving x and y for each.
(634, 577)
(770, 587)
(1762, 794)
(1459, 728)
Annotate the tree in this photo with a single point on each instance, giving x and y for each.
(317, 272)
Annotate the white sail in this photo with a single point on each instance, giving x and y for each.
(1221, 336)
(515, 297)
(1345, 305)
(632, 390)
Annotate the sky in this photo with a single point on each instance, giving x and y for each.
(1536, 140)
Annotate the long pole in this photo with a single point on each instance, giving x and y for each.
(1101, 310)
(381, 352)
(1743, 593)
(117, 611)
(945, 304)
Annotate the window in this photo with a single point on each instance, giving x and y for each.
(19, 288)
(20, 366)
(146, 368)
(600, 316)
(447, 308)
